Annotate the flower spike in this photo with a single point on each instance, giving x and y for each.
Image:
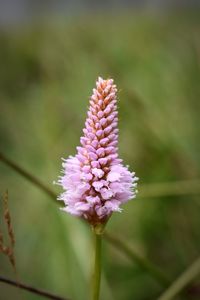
(95, 181)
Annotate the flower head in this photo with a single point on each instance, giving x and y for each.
(95, 181)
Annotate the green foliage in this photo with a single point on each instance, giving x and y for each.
(46, 76)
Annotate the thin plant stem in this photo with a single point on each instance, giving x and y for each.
(37, 182)
(96, 276)
(31, 289)
(182, 281)
(144, 263)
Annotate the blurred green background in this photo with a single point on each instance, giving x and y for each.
(47, 72)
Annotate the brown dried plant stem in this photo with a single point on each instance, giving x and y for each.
(31, 289)
(8, 250)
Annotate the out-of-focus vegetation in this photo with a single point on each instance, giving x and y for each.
(47, 73)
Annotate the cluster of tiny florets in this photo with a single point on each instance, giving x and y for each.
(95, 181)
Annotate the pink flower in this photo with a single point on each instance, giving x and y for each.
(95, 182)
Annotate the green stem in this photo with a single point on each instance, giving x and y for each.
(144, 263)
(96, 278)
(182, 281)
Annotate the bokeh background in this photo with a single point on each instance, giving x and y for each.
(51, 53)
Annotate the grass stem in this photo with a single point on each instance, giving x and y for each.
(182, 281)
(144, 263)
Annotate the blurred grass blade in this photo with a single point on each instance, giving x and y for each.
(182, 281)
(182, 187)
(28, 176)
(144, 263)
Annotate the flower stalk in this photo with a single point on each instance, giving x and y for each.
(96, 276)
(95, 181)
